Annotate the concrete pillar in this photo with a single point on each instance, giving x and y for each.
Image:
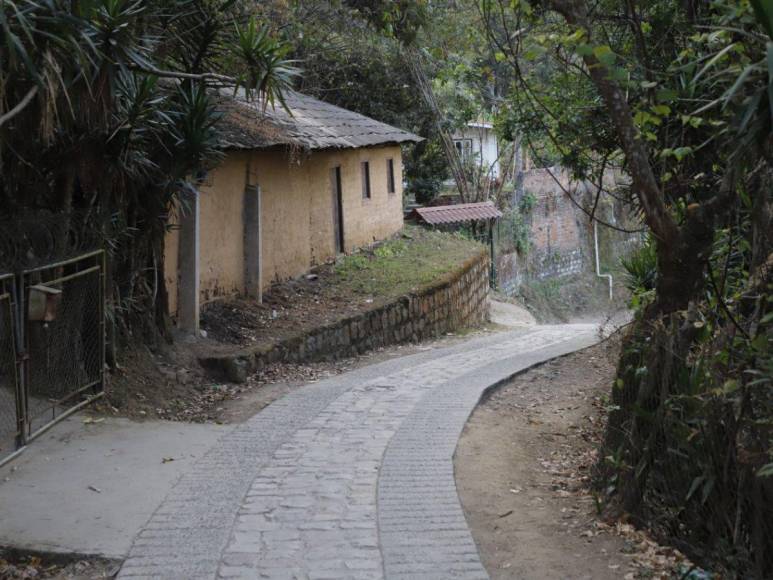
(253, 281)
(188, 264)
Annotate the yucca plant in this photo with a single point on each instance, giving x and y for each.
(266, 71)
(641, 269)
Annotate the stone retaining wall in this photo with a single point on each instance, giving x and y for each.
(559, 264)
(456, 301)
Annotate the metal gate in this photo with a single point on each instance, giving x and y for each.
(52, 347)
(10, 395)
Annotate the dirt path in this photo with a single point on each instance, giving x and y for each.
(522, 469)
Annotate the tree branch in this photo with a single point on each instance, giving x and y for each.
(20, 106)
(187, 76)
(645, 185)
(579, 206)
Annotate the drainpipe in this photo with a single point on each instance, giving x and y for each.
(598, 264)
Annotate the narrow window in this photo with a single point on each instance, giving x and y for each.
(390, 175)
(464, 148)
(338, 209)
(365, 165)
(467, 149)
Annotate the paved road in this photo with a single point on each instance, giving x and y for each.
(347, 478)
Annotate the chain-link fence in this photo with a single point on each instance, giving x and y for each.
(65, 355)
(53, 362)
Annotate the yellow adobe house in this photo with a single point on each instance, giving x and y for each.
(294, 189)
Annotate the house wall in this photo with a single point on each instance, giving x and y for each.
(561, 234)
(368, 220)
(484, 146)
(297, 229)
(221, 241)
(297, 211)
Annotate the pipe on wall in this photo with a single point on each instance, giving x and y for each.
(598, 263)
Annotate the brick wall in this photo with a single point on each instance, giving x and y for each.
(456, 301)
(558, 235)
(510, 272)
(557, 264)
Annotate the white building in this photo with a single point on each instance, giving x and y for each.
(478, 142)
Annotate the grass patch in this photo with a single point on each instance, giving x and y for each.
(414, 258)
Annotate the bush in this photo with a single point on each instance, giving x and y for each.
(641, 270)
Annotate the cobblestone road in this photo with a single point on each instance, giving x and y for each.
(347, 478)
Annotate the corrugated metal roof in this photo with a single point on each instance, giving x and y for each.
(452, 214)
(313, 124)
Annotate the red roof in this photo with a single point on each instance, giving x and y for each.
(463, 212)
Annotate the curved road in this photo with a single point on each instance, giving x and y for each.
(347, 478)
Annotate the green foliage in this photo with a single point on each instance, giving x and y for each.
(266, 70)
(711, 458)
(513, 232)
(527, 202)
(641, 271)
(391, 249)
(686, 91)
(426, 168)
(400, 19)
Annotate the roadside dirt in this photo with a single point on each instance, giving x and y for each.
(16, 566)
(523, 471)
(151, 386)
(571, 298)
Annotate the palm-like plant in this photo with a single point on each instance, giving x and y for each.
(265, 71)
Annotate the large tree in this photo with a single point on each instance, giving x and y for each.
(678, 98)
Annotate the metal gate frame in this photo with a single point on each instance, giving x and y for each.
(8, 303)
(20, 285)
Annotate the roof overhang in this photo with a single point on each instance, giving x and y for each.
(307, 123)
(456, 214)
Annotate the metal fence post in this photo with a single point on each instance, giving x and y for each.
(493, 270)
(102, 328)
(17, 287)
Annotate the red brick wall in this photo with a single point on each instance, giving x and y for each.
(554, 226)
(558, 236)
